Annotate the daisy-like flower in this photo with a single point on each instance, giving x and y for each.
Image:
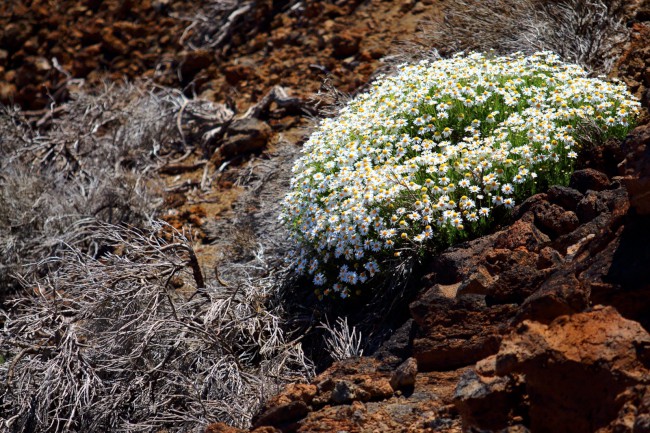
(507, 189)
(436, 145)
(319, 279)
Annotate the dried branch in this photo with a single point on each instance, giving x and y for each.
(278, 95)
(115, 342)
(213, 25)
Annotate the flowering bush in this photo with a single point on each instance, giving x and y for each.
(428, 155)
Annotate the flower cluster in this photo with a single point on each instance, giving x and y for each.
(433, 151)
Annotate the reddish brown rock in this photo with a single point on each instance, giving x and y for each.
(562, 293)
(282, 415)
(618, 273)
(244, 136)
(582, 373)
(220, 427)
(290, 405)
(590, 207)
(452, 332)
(635, 169)
(523, 234)
(345, 44)
(352, 380)
(404, 376)
(553, 219)
(634, 415)
(487, 400)
(564, 196)
(236, 73)
(345, 382)
(475, 290)
(575, 367)
(425, 408)
(589, 179)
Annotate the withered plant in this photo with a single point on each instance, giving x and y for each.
(134, 340)
(588, 32)
(93, 157)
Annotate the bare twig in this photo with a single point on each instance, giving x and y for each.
(113, 343)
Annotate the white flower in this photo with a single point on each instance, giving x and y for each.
(444, 141)
(507, 189)
(319, 279)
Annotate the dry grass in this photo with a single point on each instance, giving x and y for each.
(587, 32)
(342, 342)
(94, 157)
(109, 323)
(131, 342)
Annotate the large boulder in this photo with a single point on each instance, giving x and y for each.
(575, 374)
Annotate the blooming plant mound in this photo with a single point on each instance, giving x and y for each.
(429, 154)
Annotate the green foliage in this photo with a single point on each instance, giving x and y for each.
(427, 157)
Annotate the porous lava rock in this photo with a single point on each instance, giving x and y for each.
(289, 43)
(527, 270)
(580, 373)
(363, 395)
(244, 136)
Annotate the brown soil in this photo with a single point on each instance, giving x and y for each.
(340, 41)
(490, 315)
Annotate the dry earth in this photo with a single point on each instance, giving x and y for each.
(542, 326)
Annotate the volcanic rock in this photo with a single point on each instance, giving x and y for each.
(576, 367)
(487, 400)
(636, 169)
(245, 136)
(588, 179)
(404, 376)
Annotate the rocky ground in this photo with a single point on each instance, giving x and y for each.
(276, 42)
(542, 326)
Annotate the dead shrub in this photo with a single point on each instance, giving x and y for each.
(587, 32)
(93, 157)
(130, 341)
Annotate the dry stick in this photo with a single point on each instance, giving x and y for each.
(193, 262)
(179, 123)
(204, 178)
(227, 27)
(12, 366)
(173, 169)
(219, 279)
(186, 155)
(278, 95)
